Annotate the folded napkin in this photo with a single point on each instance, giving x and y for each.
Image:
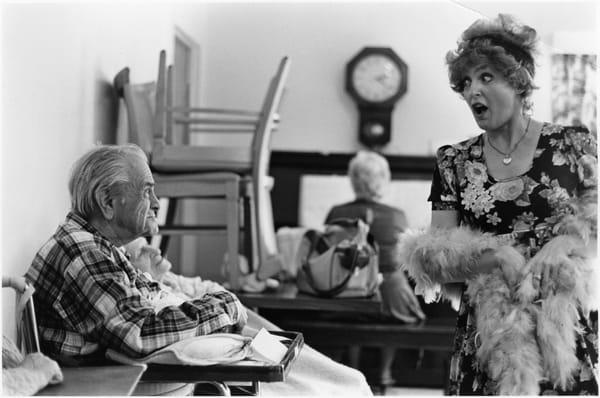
(211, 349)
(267, 347)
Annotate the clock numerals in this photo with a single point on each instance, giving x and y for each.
(376, 78)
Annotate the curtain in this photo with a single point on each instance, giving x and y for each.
(574, 90)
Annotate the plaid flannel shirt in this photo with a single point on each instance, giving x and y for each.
(89, 298)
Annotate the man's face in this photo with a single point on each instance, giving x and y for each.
(136, 206)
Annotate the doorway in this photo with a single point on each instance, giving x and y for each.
(185, 79)
(182, 253)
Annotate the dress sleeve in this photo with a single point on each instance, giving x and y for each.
(443, 192)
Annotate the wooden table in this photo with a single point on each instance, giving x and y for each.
(287, 297)
(97, 380)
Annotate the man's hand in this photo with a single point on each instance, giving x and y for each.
(147, 258)
(243, 318)
(207, 287)
(158, 264)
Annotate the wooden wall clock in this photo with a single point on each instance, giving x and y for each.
(376, 79)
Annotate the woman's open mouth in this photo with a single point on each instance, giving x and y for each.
(479, 109)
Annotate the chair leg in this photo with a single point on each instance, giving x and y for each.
(233, 234)
(354, 356)
(251, 390)
(420, 358)
(249, 241)
(256, 387)
(171, 208)
(222, 388)
(270, 261)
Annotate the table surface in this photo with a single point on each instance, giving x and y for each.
(97, 380)
(288, 297)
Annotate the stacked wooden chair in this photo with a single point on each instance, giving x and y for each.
(236, 174)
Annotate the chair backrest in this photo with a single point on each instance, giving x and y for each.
(261, 156)
(260, 123)
(261, 144)
(27, 330)
(140, 108)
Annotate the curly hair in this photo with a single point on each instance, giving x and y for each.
(369, 174)
(505, 44)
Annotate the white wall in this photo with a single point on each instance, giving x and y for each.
(58, 61)
(246, 40)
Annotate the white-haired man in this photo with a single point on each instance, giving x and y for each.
(91, 298)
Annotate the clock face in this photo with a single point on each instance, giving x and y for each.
(376, 78)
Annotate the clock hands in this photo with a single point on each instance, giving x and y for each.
(376, 79)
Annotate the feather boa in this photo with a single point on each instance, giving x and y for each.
(526, 310)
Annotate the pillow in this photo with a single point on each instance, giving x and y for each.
(217, 348)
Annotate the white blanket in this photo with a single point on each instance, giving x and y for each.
(313, 373)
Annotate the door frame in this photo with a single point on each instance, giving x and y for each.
(194, 65)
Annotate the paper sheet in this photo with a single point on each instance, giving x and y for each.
(267, 347)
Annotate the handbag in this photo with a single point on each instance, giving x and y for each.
(340, 262)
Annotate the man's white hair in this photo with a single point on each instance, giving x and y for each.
(104, 168)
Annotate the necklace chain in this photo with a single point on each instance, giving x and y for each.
(507, 158)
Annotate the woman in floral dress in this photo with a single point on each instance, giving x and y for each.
(514, 178)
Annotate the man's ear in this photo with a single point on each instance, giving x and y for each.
(106, 204)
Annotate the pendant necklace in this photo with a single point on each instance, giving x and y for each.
(507, 158)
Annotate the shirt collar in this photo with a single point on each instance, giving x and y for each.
(77, 220)
(115, 253)
(365, 200)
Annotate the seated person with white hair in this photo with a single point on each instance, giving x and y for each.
(90, 297)
(370, 177)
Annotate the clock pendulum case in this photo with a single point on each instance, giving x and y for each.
(376, 78)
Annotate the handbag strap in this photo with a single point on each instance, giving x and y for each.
(344, 222)
(312, 237)
(334, 291)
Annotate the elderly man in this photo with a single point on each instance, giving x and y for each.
(91, 298)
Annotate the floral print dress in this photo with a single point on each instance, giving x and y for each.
(564, 165)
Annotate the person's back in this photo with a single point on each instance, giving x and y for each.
(370, 176)
(385, 224)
